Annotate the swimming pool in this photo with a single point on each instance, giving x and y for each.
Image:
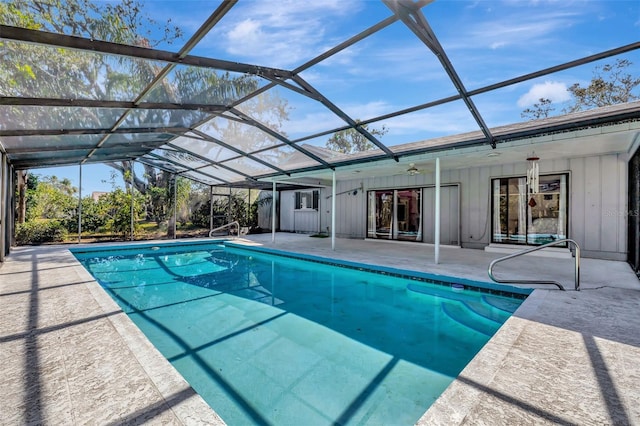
(273, 339)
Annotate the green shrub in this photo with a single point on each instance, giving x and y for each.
(38, 232)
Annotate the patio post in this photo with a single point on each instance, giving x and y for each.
(273, 214)
(210, 207)
(80, 205)
(132, 208)
(175, 205)
(437, 215)
(229, 213)
(333, 212)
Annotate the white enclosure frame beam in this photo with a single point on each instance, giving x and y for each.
(80, 203)
(436, 241)
(175, 205)
(210, 207)
(273, 214)
(132, 201)
(333, 211)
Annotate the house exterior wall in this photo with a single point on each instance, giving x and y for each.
(265, 210)
(633, 219)
(292, 220)
(597, 201)
(287, 211)
(449, 215)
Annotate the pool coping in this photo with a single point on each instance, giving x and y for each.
(167, 380)
(537, 336)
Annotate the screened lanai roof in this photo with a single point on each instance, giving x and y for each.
(254, 90)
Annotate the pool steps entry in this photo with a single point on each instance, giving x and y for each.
(487, 315)
(526, 251)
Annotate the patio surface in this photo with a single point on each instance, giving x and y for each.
(70, 356)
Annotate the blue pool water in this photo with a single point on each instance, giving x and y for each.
(267, 339)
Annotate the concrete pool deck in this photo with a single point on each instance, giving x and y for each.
(70, 356)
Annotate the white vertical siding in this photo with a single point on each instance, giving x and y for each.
(598, 206)
(287, 207)
(351, 210)
(623, 203)
(292, 220)
(305, 221)
(609, 203)
(597, 202)
(448, 215)
(592, 202)
(265, 211)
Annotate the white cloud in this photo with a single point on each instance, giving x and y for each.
(553, 90)
(310, 123)
(283, 33)
(247, 31)
(440, 122)
(368, 110)
(514, 30)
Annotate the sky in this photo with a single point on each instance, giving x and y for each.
(486, 41)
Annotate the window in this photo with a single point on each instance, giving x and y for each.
(523, 218)
(307, 200)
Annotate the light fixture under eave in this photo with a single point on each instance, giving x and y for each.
(533, 173)
(412, 170)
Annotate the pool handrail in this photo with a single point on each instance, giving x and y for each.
(526, 251)
(240, 231)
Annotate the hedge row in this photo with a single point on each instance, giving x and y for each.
(38, 232)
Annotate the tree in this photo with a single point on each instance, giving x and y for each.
(237, 211)
(33, 70)
(42, 71)
(52, 198)
(350, 140)
(117, 205)
(542, 109)
(610, 85)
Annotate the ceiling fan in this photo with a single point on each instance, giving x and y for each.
(413, 170)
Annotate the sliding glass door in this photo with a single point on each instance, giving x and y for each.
(509, 210)
(408, 212)
(394, 214)
(520, 217)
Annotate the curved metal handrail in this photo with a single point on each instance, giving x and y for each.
(228, 225)
(520, 253)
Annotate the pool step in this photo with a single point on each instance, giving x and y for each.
(502, 304)
(440, 291)
(460, 314)
(487, 311)
(494, 308)
(484, 315)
